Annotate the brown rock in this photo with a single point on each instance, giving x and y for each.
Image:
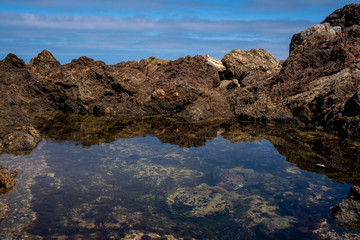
(21, 139)
(240, 63)
(45, 61)
(345, 17)
(7, 179)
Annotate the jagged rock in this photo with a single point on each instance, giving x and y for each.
(45, 61)
(318, 29)
(347, 212)
(240, 63)
(13, 71)
(345, 17)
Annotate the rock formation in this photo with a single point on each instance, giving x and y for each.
(317, 86)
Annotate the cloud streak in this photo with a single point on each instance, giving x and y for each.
(195, 36)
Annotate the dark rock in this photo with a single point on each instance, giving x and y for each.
(345, 17)
(347, 212)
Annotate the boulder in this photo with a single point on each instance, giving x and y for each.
(347, 212)
(240, 63)
(318, 29)
(21, 139)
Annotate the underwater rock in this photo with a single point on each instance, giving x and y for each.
(4, 209)
(228, 179)
(199, 201)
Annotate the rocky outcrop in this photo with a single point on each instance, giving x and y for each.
(319, 81)
(318, 30)
(347, 212)
(45, 61)
(345, 17)
(240, 63)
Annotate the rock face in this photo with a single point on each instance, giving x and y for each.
(240, 63)
(322, 30)
(320, 80)
(347, 212)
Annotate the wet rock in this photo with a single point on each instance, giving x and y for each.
(199, 201)
(21, 139)
(345, 17)
(7, 179)
(45, 61)
(318, 29)
(347, 212)
(240, 63)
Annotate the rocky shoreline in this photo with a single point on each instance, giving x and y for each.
(318, 86)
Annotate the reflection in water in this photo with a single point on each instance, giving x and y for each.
(156, 177)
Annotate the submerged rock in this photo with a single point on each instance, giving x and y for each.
(228, 179)
(199, 201)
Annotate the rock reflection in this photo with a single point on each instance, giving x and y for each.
(313, 151)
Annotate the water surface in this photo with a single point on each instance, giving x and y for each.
(161, 178)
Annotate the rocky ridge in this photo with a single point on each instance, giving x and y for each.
(318, 86)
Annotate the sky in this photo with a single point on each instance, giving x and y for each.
(117, 30)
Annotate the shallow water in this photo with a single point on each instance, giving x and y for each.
(162, 178)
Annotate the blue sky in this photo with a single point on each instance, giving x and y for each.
(114, 31)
